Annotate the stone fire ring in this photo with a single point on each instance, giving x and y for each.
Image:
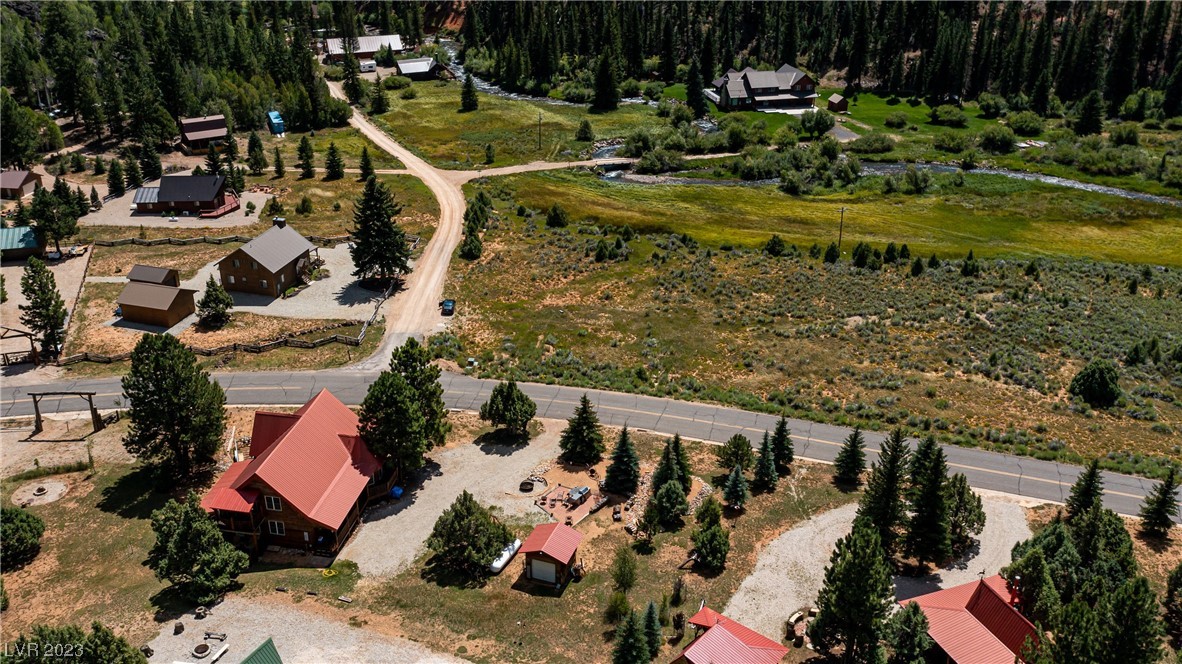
(39, 492)
(201, 650)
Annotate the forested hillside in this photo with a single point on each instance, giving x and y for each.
(945, 50)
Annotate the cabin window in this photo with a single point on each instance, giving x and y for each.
(281, 280)
(273, 503)
(231, 279)
(254, 265)
(236, 263)
(263, 283)
(276, 528)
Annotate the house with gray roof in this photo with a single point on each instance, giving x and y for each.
(269, 264)
(367, 46)
(418, 69)
(750, 89)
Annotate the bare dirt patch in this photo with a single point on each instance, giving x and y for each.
(39, 492)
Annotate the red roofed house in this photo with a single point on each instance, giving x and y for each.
(976, 623)
(724, 640)
(550, 553)
(309, 477)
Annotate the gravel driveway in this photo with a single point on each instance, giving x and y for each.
(337, 296)
(300, 637)
(789, 572)
(394, 535)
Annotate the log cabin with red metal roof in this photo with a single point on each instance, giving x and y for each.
(721, 639)
(308, 480)
(976, 622)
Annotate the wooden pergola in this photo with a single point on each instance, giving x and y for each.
(19, 357)
(95, 418)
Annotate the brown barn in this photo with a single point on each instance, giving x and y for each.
(267, 265)
(15, 185)
(550, 552)
(154, 275)
(309, 478)
(197, 134)
(838, 104)
(201, 194)
(154, 304)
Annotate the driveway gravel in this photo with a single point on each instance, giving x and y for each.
(790, 570)
(393, 535)
(300, 637)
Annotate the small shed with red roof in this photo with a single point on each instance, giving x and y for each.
(309, 477)
(976, 623)
(721, 639)
(550, 552)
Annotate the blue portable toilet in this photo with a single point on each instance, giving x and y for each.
(275, 121)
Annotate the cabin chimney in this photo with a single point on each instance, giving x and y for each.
(279, 222)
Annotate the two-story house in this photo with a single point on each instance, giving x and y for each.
(267, 265)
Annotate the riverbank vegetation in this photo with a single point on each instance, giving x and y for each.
(692, 306)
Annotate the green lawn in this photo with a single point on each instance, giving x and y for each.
(347, 139)
(992, 215)
(433, 126)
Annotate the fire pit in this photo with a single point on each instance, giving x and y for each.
(40, 491)
(526, 486)
(201, 650)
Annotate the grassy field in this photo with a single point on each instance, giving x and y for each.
(992, 215)
(982, 361)
(348, 140)
(523, 625)
(432, 125)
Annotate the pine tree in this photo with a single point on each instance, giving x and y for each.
(1173, 604)
(631, 643)
(623, 474)
(694, 97)
(150, 162)
(366, 164)
(855, 597)
(669, 505)
(115, 184)
(710, 539)
(305, 156)
(177, 410)
(1160, 506)
(782, 445)
(765, 469)
(736, 451)
(735, 491)
(966, 514)
(907, 635)
(607, 92)
(851, 459)
(256, 156)
(670, 468)
(1030, 576)
(213, 162)
(1086, 492)
(652, 630)
(378, 102)
(412, 361)
(585, 133)
(213, 311)
(379, 245)
(509, 407)
(681, 459)
(95, 201)
(191, 552)
(45, 313)
(280, 171)
(466, 537)
(1135, 632)
(334, 165)
(1090, 116)
(468, 100)
(928, 536)
(882, 504)
(582, 440)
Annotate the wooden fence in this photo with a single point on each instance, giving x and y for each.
(324, 240)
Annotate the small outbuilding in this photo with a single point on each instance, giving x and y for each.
(275, 122)
(20, 242)
(418, 69)
(550, 553)
(154, 304)
(16, 184)
(720, 639)
(197, 134)
(148, 274)
(838, 103)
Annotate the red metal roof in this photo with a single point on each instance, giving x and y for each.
(268, 427)
(728, 642)
(224, 497)
(318, 466)
(974, 623)
(557, 540)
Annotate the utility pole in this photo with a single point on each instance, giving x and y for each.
(840, 229)
(539, 131)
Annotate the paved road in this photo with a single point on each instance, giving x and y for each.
(1016, 475)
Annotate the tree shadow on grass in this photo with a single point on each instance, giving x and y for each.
(846, 487)
(170, 604)
(445, 576)
(135, 495)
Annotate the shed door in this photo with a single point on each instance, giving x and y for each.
(543, 570)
